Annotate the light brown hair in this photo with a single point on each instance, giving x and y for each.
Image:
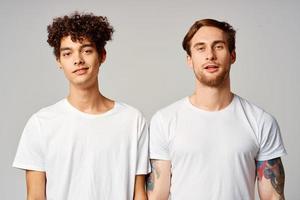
(224, 26)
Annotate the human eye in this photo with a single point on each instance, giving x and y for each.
(200, 48)
(88, 51)
(66, 54)
(219, 46)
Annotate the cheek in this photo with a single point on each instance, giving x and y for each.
(95, 66)
(66, 63)
(92, 62)
(67, 68)
(68, 73)
(225, 58)
(198, 61)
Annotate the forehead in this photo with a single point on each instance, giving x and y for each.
(208, 34)
(67, 42)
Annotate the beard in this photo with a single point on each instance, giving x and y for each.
(213, 81)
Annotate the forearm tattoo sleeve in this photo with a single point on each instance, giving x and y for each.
(273, 171)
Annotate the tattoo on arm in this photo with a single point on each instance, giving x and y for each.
(272, 170)
(150, 182)
(155, 174)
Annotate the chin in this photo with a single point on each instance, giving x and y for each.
(212, 81)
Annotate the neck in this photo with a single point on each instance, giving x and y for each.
(89, 100)
(212, 98)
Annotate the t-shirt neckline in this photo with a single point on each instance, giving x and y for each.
(224, 110)
(88, 115)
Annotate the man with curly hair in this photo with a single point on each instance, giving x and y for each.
(86, 146)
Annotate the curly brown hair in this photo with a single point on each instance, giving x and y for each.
(79, 26)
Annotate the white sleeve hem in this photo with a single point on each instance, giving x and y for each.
(143, 172)
(154, 156)
(28, 167)
(263, 158)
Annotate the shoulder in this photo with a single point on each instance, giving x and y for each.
(131, 116)
(51, 111)
(169, 112)
(259, 114)
(40, 118)
(126, 109)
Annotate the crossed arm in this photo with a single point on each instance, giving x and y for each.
(270, 175)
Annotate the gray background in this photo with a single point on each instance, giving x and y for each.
(146, 65)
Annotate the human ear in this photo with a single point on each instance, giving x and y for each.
(102, 56)
(189, 61)
(232, 57)
(58, 63)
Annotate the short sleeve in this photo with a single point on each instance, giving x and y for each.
(143, 163)
(271, 144)
(159, 148)
(30, 154)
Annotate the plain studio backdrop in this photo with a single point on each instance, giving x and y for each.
(146, 65)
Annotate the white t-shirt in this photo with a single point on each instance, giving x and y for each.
(85, 156)
(213, 154)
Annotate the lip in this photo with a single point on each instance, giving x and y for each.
(211, 67)
(80, 71)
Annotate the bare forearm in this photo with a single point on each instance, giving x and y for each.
(29, 197)
(158, 181)
(139, 188)
(140, 196)
(36, 185)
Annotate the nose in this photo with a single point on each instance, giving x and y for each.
(78, 60)
(210, 55)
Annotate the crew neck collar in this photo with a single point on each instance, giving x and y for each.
(88, 115)
(225, 109)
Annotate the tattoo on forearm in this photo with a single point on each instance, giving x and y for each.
(150, 182)
(155, 174)
(272, 170)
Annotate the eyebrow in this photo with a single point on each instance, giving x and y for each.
(81, 47)
(198, 44)
(214, 43)
(218, 41)
(65, 48)
(86, 45)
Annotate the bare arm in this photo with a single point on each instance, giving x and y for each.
(139, 188)
(36, 185)
(270, 174)
(158, 181)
